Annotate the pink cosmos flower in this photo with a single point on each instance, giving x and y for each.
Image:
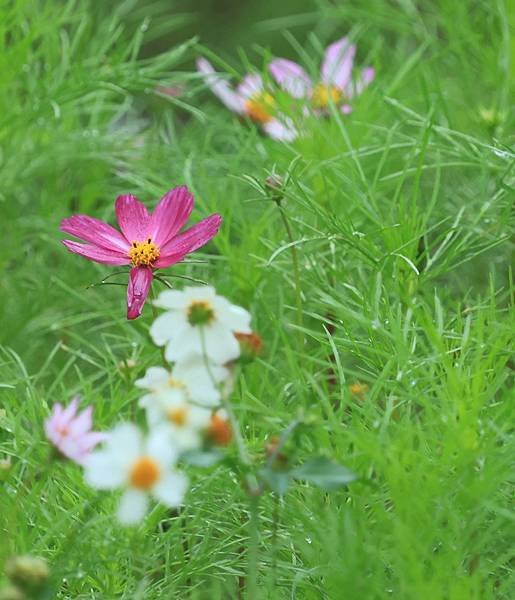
(250, 99)
(336, 83)
(147, 241)
(71, 433)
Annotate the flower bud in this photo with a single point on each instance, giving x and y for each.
(358, 389)
(219, 430)
(274, 181)
(271, 447)
(27, 571)
(251, 345)
(274, 187)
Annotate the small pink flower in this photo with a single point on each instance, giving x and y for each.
(71, 433)
(147, 242)
(335, 85)
(250, 99)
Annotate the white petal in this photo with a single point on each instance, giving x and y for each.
(198, 418)
(201, 380)
(185, 438)
(125, 440)
(166, 326)
(171, 299)
(221, 345)
(102, 472)
(161, 448)
(155, 416)
(232, 316)
(154, 377)
(199, 292)
(185, 346)
(171, 489)
(133, 507)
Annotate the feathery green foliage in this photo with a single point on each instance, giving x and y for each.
(401, 215)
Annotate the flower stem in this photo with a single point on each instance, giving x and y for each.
(275, 527)
(295, 264)
(155, 315)
(252, 556)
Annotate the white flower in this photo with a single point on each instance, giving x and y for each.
(192, 380)
(199, 323)
(174, 398)
(142, 467)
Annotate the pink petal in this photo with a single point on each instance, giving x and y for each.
(291, 77)
(337, 65)
(220, 88)
(140, 279)
(170, 215)
(91, 439)
(95, 231)
(82, 423)
(190, 240)
(70, 411)
(132, 217)
(96, 254)
(346, 109)
(366, 77)
(283, 131)
(251, 85)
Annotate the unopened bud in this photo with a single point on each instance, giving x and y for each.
(27, 571)
(127, 364)
(251, 345)
(274, 181)
(491, 116)
(274, 186)
(358, 389)
(219, 430)
(272, 446)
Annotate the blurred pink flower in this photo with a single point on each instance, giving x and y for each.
(70, 432)
(250, 99)
(336, 83)
(147, 241)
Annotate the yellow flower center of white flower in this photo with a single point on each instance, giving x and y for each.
(323, 94)
(200, 312)
(175, 384)
(178, 415)
(143, 254)
(144, 473)
(259, 106)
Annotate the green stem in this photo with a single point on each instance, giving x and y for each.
(155, 315)
(296, 268)
(252, 556)
(238, 437)
(275, 527)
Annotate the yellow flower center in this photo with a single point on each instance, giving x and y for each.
(259, 106)
(178, 416)
(144, 473)
(323, 94)
(174, 384)
(200, 312)
(143, 254)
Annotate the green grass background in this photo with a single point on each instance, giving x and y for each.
(401, 216)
